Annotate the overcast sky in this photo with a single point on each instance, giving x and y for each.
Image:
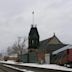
(51, 16)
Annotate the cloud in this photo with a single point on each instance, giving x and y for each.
(50, 16)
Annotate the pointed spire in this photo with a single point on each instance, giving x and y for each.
(33, 16)
(33, 21)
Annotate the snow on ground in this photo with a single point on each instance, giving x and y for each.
(23, 70)
(8, 62)
(15, 68)
(46, 66)
(12, 62)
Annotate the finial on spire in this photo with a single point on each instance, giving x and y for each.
(33, 12)
(33, 16)
(54, 34)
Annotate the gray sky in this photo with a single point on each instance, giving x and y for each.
(51, 16)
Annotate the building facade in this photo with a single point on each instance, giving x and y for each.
(41, 51)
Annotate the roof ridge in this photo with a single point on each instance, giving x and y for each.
(49, 39)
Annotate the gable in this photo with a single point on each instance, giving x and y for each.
(54, 40)
(50, 44)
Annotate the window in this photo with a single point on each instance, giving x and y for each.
(32, 41)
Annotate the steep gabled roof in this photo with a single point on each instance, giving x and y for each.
(51, 44)
(52, 40)
(48, 48)
(33, 32)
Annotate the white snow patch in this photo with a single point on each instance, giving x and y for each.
(24, 70)
(46, 66)
(62, 49)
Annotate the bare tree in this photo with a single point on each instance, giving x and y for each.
(19, 47)
(9, 51)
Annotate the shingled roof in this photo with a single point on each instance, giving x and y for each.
(49, 46)
(33, 32)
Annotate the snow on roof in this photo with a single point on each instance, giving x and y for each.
(62, 49)
(46, 66)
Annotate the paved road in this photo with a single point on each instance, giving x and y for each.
(6, 69)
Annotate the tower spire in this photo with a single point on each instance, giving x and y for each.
(33, 16)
